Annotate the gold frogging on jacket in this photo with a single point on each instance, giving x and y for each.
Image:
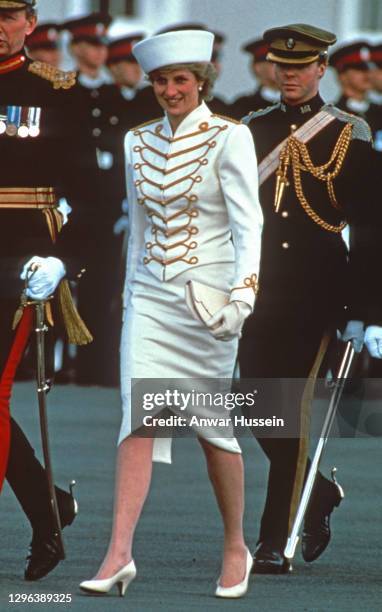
(296, 154)
(190, 210)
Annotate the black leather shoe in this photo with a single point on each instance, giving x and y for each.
(44, 555)
(316, 534)
(44, 550)
(268, 559)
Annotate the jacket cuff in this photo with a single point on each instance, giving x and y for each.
(246, 291)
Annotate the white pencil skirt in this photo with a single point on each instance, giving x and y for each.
(162, 340)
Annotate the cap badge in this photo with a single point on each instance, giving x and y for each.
(290, 43)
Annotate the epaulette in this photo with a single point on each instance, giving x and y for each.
(59, 78)
(361, 129)
(231, 119)
(141, 125)
(260, 113)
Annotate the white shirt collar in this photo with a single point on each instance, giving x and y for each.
(357, 106)
(375, 97)
(92, 82)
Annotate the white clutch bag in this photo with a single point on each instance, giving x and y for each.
(204, 301)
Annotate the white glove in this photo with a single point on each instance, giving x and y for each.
(64, 209)
(121, 225)
(355, 332)
(373, 341)
(45, 279)
(228, 321)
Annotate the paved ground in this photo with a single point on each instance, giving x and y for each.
(177, 544)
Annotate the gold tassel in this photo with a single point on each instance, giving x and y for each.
(76, 329)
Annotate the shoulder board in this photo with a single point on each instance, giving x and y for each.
(361, 129)
(59, 78)
(231, 119)
(260, 113)
(141, 125)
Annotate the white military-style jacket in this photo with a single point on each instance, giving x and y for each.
(193, 199)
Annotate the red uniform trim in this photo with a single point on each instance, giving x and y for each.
(6, 383)
(13, 63)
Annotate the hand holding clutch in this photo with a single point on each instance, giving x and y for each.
(224, 319)
(228, 321)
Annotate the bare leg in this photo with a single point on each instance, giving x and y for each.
(226, 473)
(133, 475)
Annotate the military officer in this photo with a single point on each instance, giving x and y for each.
(375, 93)
(44, 44)
(357, 71)
(352, 65)
(315, 167)
(127, 75)
(373, 335)
(38, 165)
(126, 71)
(267, 92)
(99, 201)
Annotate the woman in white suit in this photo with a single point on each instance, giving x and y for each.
(194, 215)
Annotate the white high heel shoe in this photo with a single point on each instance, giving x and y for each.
(122, 579)
(240, 589)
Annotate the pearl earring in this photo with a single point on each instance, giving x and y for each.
(200, 88)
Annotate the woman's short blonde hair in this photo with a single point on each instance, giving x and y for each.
(205, 72)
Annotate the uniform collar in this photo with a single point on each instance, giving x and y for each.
(200, 113)
(375, 97)
(93, 82)
(359, 107)
(309, 107)
(12, 62)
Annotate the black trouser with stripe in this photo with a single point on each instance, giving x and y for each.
(277, 348)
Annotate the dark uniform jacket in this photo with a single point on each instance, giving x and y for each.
(38, 155)
(304, 272)
(33, 101)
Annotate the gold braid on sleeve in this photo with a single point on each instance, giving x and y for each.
(295, 153)
(250, 282)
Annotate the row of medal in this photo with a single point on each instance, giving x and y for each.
(22, 121)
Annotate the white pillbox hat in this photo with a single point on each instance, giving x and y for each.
(181, 47)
